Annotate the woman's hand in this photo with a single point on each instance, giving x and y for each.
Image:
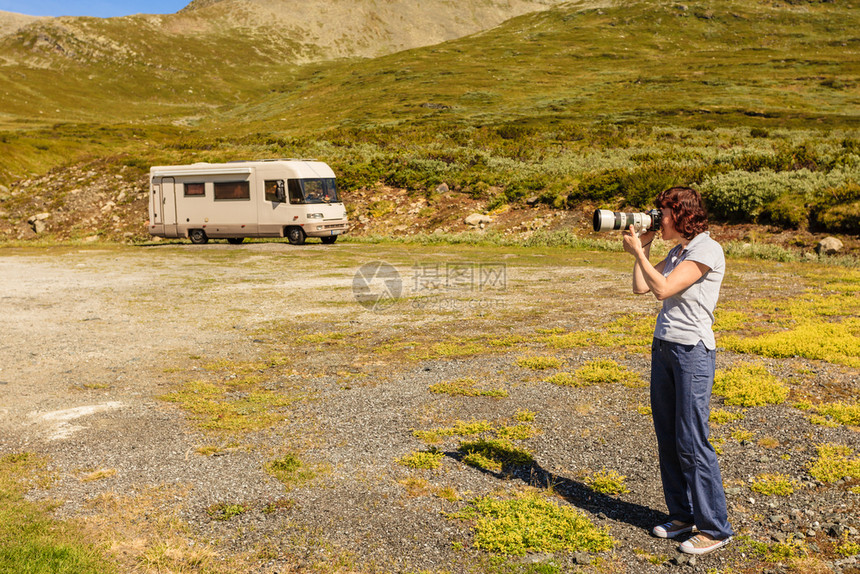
(633, 243)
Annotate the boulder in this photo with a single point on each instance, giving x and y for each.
(37, 222)
(829, 246)
(38, 217)
(477, 219)
(442, 188)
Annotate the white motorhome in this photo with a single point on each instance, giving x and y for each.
(267, 198)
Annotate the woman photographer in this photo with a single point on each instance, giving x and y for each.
(683, 353)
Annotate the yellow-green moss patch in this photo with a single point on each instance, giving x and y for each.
(774, 485)
(466, 387)
(532, 523)
(834, 462)
(607, 482)
(749, 385)
(832, 342)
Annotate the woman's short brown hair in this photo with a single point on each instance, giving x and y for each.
(690, 218)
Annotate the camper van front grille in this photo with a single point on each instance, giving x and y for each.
(336, 226)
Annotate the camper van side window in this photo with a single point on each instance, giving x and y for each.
(232, 190)
(194, 189)
(275, 190)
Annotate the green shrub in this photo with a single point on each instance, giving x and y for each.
(641, 187)
(788, 211)
(802, 156)
(837, 209)
(515, 132)
(602, 186)
(843, 218)
(742, 195)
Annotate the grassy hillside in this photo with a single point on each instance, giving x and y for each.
(755, 103)
(717, 63)
(128, 69)
(176, 67)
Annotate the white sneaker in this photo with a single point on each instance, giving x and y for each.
(700, 544)
(671, 530)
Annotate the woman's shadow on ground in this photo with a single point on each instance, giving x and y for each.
(577, 493)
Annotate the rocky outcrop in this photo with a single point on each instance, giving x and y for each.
(93, 200)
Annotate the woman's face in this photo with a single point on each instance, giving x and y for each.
(667, 224)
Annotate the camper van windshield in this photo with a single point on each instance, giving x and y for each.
(313, 191)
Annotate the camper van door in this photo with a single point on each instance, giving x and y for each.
(168, 201)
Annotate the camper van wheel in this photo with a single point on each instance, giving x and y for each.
(329, 240)
(198, 236)
(235, 240)
(296, 235)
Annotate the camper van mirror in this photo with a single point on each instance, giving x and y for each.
(281, 192)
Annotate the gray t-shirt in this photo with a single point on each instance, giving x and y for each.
(688, 316)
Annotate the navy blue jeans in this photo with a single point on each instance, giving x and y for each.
(682, 377)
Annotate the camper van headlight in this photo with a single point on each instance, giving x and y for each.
(315, 215)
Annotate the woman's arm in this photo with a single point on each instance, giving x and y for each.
(640, 285)
(681, 277)
(633, 244)
(648, 278)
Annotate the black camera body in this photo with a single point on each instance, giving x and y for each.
(605, 220)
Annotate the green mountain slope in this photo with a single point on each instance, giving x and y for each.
(176, 66)
(718, 62)
(88, 69)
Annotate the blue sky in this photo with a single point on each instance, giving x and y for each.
(98, 8)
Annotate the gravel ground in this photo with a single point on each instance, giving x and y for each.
(95, 337)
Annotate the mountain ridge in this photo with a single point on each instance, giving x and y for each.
(10, 22)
